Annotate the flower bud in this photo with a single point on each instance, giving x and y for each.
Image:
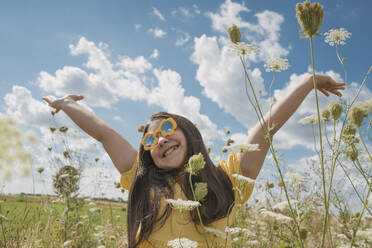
(356, 115)
(63, 129)
(195, 164)
(141, 128)
(234, 34)
(52, 129)
(229, 142)
(336, 110)
(227, 131)
(352, 154)
(349, 130)
(310, 17)
(325, 114)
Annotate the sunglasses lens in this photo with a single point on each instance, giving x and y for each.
(149, 141)
(167, 127)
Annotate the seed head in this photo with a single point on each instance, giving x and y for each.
(234, 34)
(356, 115)
(349, 130)
(40, 169)
(141, 128)
(325, 114)
(63, 129)
(195, 164)
(229, 142)
(336, 110)
(310, 17)
(52, 129)
(352, 154)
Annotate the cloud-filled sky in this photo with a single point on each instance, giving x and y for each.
(134, 58)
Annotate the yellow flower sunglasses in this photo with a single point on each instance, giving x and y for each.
(166, 128)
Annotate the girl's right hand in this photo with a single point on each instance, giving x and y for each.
(57, 104)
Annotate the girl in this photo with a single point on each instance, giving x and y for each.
(156, 172)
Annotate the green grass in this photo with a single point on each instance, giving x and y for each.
(42, 223)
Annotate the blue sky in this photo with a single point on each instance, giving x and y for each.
(133, 58)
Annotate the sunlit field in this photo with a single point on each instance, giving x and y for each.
(290, 209)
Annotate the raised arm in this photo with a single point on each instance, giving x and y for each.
(121, 152)
(251, 162)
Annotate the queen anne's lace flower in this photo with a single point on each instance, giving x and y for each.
(336, 36)
(278, 217)
(182, 242)
(283, 205)
(243, 148)
(180, 204)
(215, 232)
(243, 48)
(243, 180)
(277, 65)
(313, 119)
(295, 177)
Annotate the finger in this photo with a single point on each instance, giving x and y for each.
(336, 92)
(47, 100)
(324, 92)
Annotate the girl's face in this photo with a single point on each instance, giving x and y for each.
(170, 151)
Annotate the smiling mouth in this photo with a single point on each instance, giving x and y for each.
(170, 151)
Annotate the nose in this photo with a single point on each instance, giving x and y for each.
(162, 140)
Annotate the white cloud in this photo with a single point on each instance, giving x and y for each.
(137, 65)
(157, 32)
(184, 11)
(196, 9)
(155, 54)
(220, 74)
(156, 12)
(181, 41)
(137, 26)
(264, 34)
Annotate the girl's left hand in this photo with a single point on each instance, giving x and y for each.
(326, 84)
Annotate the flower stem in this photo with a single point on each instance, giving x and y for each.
(197, 209)
(321, 146)
(272, 150)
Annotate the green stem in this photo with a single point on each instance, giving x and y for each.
(352, 184)
(321, 146)
(261, 117)
(360, 216)
(197, 210)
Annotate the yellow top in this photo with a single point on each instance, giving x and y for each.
(178, 225)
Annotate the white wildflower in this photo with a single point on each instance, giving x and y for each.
(3, 217)
(180, 204)
(182, 243)
(242, 48)
(243, 180)
(294, 177)
(252, 242)
(95, 210)
(216, 232)
(101, 246)
(336, 36)
(278, 217)
(277, 65)
(243, 148)
(284, 204)
(313, 119)
(235, 230)
(67, 243)
(365, 234)
(369, 200)
(92, 203)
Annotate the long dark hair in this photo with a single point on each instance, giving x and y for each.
(152, 183)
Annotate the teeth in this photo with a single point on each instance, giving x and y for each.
(169, 151)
